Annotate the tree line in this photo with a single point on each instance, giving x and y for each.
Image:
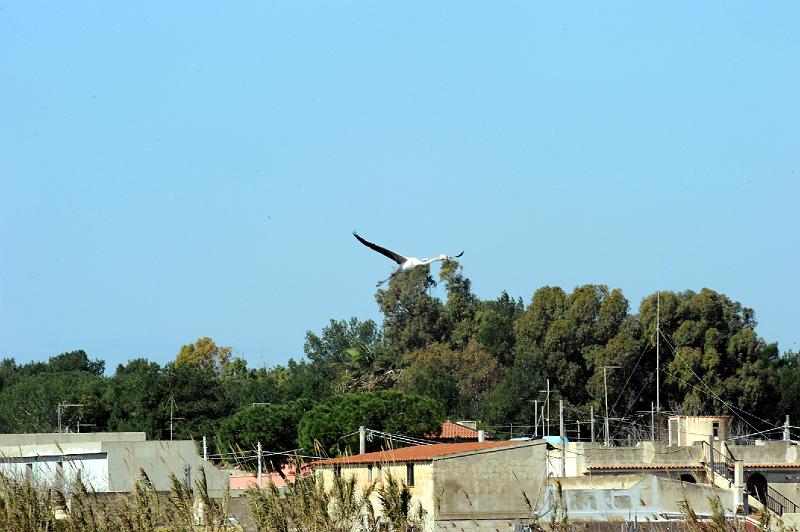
(459, 357)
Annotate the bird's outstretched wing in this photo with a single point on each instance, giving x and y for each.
(457, 256)
(399, 259)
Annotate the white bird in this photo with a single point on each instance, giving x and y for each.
(404, 263)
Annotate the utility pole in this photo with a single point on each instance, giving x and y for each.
(172, 418)
(259, 465)
(548, 407)
(591, 420)
(535, 418)
(605, 388)
(658, 350)
(786, 435)
(563, 440)
(362, 439)
(171, 414)
(546, 430)
(205, 449)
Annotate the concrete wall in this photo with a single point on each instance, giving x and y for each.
(634, 497)
(10, 441)
(769, 452)
(487, 488)
(159, 459)
(581, 456)
(104, 461)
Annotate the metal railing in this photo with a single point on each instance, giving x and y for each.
(777, 502)
(721, 461)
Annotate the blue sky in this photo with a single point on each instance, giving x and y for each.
(178, 170)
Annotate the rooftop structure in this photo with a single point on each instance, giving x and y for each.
(105, 461)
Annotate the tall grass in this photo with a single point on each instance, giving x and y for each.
(308, 505)
(25, 506)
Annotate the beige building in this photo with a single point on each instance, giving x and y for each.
(690, 430)
(467, 486)
(106, 462)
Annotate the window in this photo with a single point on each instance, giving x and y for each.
(715, 429)
(369, 473)
(337, 471)
(410, 474)
(380, 473)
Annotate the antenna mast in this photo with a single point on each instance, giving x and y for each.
(658, 353)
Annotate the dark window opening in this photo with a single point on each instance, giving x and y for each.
(757, 486)
(686, 477)
(337, 471)
(715, 429)
(410, 474)
(369, 473)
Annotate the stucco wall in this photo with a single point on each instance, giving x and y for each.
(65, 438)
(159, 459)
(421, 491)
(104, 461)
(775, 452)
(635, 497)
(490, 485)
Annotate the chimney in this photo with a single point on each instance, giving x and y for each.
(481, 436)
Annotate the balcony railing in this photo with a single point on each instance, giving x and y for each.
(777, 502)
(721, 461)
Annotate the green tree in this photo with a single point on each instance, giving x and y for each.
(459, 379)
(135, 398)
(274, 426)
(461, 303)
(513, 398)
(75, 361)
(243, 386)
(787, 381)
(391, 411)
(30, 404)
(204, 353)
(412, 317)
(711, 354)
(199, 398)
(299, 380)
(494, 327)
(563, 333)
(328, 351)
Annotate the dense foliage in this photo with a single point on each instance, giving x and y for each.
(461, 357)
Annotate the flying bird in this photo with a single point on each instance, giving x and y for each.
(404, 263)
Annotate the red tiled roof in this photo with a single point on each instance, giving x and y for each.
(452, 430)
(416, 453)
(772, 466)
(645, 466)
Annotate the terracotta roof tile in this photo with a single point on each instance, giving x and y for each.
(644, 466)
(451, 430)
(772, 466)
(416, 453)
